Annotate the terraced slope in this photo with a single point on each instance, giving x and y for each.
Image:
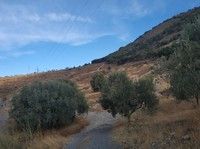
(82, 76)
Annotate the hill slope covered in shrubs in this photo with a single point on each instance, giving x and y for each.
(153, 43)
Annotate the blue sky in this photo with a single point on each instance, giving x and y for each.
(55, 34)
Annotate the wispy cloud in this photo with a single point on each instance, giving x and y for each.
(134, 8)
(21, 25)
(25, 24)
(21, 53)
(122, 13)
(16, 54)
(67, 17)
(138, 9)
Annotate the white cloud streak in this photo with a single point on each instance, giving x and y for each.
(21, 25)
(138, 9)
(21, 53)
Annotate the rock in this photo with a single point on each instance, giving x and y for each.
(186, 138)
(172, 134)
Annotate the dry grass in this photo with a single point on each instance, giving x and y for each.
(175, 125)
(52, 139)
(56, 139)
(9, 142)
(81, 76)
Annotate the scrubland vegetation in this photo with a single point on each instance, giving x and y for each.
(47, 105)
(176, 122)
(167, 118)
(97, 82)
(41, 107)
(151, 43)
(120, 95)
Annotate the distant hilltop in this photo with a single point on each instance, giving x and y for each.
(153, 43)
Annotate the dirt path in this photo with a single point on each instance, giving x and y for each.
(97, 135)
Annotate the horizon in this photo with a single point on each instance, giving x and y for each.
(42, 36)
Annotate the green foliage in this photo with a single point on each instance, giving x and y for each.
(181, 84)
(146, 92)
(46, 105)
(97, 82)
(122, 96)
(118, 95)
(184, 65)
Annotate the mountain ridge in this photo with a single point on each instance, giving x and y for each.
(153, 43)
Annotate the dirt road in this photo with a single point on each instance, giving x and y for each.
(97, 135)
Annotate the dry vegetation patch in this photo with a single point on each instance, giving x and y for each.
(175, 125)
(52, 139)
(56, 139)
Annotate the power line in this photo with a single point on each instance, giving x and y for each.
(53, 50)
(89, 14)
(60, 43)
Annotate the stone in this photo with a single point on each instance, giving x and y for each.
(186, 138)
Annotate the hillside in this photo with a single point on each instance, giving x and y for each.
(153, 43)
(81, 75)
(174, 125)
(179, 122)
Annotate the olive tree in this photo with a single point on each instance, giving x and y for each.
(185, 73)
(97, 81)
(46, 105)
(145, 91)
(118, 95)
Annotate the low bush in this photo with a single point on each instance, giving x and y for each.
(120, 95)
(97, 82)
(146, 92)
(46, 105)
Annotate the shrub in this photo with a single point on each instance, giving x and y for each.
(122, 96)
(184, 64)
(180, 84)
(146, 92)
(97, 82)
(118, 95)
(46, 105)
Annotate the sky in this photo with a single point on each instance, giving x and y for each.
(42, 35)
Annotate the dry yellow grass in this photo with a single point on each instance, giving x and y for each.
(81, 76)
(51, 139)
(175, 125)
(56, 139)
